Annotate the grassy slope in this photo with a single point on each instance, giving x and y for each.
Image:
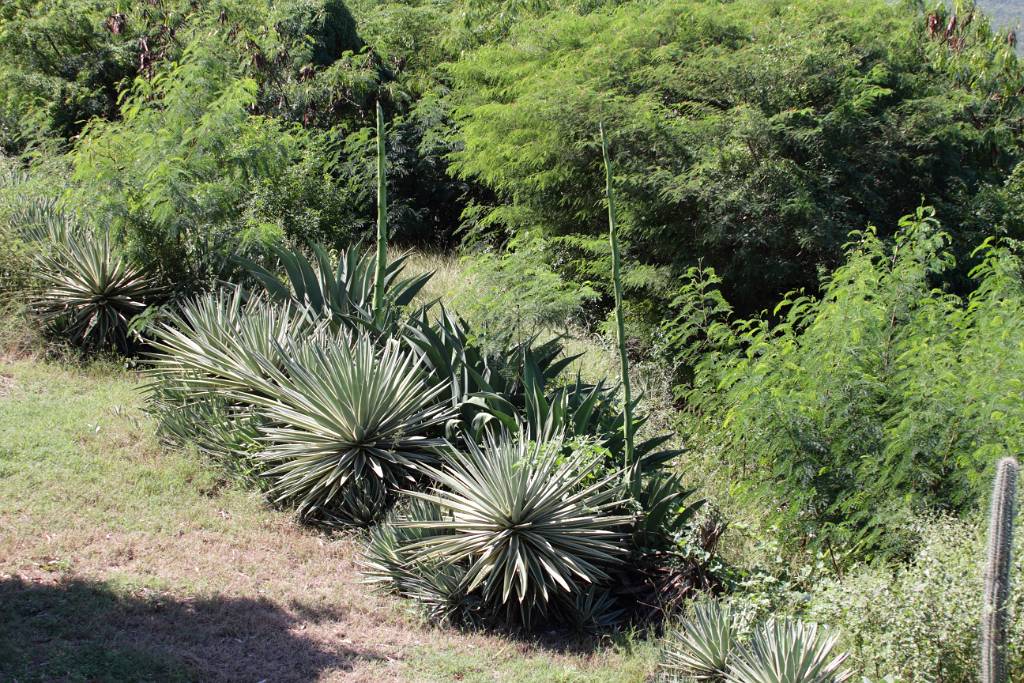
(120, 561)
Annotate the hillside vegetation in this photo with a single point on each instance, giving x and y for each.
(491, 340)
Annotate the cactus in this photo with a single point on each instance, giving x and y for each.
(613, 237)
(997, 573)
(382, 219)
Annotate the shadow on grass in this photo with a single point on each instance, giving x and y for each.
(78, 630)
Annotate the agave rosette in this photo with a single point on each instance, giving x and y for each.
(523, 519)
(789, 651)
(702, 648)
(89, 292)
(342, 412)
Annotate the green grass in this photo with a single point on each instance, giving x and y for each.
(53, 427)
(637, 660)
(70, 616)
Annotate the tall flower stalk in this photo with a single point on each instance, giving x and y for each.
(620, 323)
(382, 220)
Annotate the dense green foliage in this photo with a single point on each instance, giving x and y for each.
(751, 135)
(883, 396)
(516, 295)
(920, 620)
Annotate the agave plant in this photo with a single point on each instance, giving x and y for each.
(667, 510)
(206, 368)
(592, 610)
(491, 381)
(362, 503)
(702, 648)
(524, 520)
(43, 222)
(341, 292)
(340, 422)
(438, 586)
(226, 433)
(788, 651)
(221, 342)
(88, 292)
(574, 409)
(343, 413)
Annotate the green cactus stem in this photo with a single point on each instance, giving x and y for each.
(997, 573)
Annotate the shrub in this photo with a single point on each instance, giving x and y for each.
(920, 620)
(169, 176)
(843, 414)
(750, 134)
(516, 295)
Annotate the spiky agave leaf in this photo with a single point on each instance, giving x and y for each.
(666, 510)
(575, 409)
(360, 504)
(387, 557)
(339, 291)
(437, 586)
(207, 366)
(89, 292)
(592, 609)
(525, 521)
(788, 651)
(702, 648)
(342, 412)
(220, 343)
(224, 432)
(43, 222)
(452, 358)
